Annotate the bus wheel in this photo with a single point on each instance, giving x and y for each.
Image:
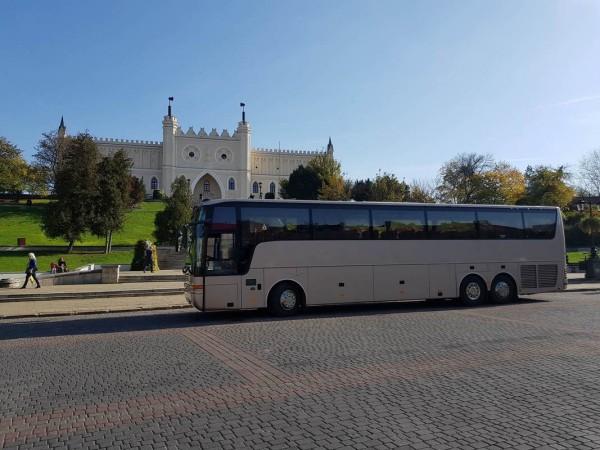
(472, 291)
(285, 300)
(503, 289)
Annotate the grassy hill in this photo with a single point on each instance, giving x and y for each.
(22, 221)
(17, 261)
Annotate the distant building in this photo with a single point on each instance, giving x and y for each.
(217, 165)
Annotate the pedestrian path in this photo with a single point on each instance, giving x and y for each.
(93, 290)
(13, 310)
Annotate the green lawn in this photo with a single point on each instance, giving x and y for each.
(17, 261)
(576, 257)
(23, 221)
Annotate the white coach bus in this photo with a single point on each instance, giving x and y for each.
(284, 255)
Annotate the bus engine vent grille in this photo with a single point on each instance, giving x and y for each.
(547, 275)
(528, 276)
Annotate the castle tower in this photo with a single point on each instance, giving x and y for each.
(245, 133)
(170, 126)
(330, 147)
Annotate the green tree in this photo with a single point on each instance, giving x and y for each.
(13, 168)
(387, 188)
(303, 184)
(73, 211)
(362, 190)
(137, 191)
(329, 170)
(545, 185)
(502, 185)
(112, 196)
(177, 213)
(474, 178)
(36, 181)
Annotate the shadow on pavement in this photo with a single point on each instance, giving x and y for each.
(150, 321)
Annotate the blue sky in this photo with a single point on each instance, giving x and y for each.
(400, 86)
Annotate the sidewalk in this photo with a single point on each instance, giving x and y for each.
(91, 298)
(15, 310)
(85, 291)
(578, 283)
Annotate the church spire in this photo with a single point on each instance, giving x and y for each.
(62, 130)
(329, 147)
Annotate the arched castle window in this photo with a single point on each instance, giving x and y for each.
(154, 183)
(255, 188)
(272, 187)
(231, 184)
(207, 186)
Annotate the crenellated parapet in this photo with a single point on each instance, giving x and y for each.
(101, 140)
(214, 134)
(287, 152)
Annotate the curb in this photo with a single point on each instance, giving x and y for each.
(89, 295)
(583, 290)
(96, 311)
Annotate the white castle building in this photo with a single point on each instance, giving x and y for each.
(217, 165)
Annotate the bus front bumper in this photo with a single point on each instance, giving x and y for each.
(194, 294)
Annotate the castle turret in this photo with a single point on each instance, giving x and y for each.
(170, 126)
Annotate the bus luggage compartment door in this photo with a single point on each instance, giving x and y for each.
(253, 290)
(400, 282)
(442, 281)
(221, 292)
(340, 284)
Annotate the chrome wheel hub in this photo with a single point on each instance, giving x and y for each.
(288, 299)
(502, 289)
(473, 291)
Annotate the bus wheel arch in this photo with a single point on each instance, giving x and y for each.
(503, 289)
(286, 298)
(473, 290)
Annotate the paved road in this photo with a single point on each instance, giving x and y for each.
(414, 375)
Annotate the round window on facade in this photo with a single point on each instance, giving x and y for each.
(191, 154)
(223, 156)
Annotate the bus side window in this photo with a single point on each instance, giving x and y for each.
(347, 223)
(540, 224)
(456, 223)
(500, 223)
(399, 223)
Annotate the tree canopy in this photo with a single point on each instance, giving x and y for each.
(75, 187)
(112, 196)
(177, 213)
(545, 185)
(14, 171)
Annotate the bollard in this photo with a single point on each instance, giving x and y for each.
(110, 273)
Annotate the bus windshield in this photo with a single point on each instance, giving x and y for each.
(214, 246)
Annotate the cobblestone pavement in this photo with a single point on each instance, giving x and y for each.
(412, 375)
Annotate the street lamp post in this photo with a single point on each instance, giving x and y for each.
(260, 189)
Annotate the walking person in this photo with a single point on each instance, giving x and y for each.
(148, 257)
(30, 271)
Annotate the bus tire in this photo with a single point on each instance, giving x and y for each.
(285, 299)
(503, 290)
(473, 291)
